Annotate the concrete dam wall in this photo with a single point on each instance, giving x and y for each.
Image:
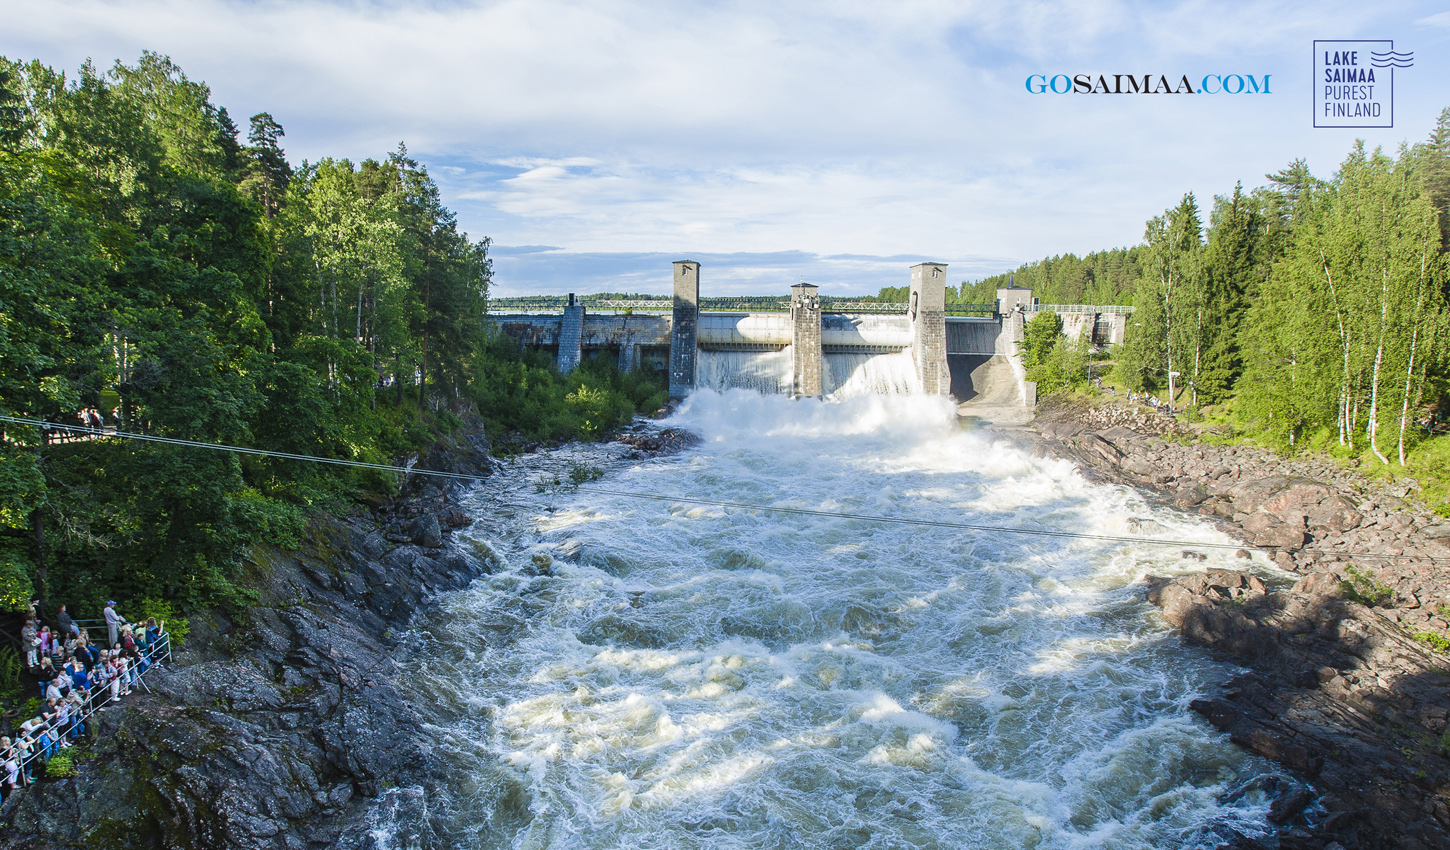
(812, 347)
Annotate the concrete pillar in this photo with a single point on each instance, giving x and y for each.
(1118, 328)
(685, 328)
(571, 336)
(628, 355)
(927, 314)
(805, 340)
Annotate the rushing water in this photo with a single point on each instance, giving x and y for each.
(843, 375)
(661, 674)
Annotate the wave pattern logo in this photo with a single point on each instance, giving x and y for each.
(1391, 59)
(1354, 82)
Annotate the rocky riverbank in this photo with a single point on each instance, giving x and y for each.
(1338, 688)
(287, 724)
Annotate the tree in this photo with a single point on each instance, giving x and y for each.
(1230, 270)
(267, 172)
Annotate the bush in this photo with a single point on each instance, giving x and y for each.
(10, 684)
(1434, 640)
(523, 397)
(176, 625)
(1362, 588)
(61, 766)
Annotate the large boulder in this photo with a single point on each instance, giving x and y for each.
(1334, 513)
(1278, 494)
(1272, 532)
(426, 531)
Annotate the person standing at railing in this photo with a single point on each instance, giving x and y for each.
(61, 724)
(79, 681)
(114, 622)
(9, 768)
(88, 653)
(113, 675)
(44, 673)
(78, 715)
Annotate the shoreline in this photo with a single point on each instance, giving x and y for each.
(1337, 691)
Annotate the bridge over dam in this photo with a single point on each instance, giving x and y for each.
(807, 344)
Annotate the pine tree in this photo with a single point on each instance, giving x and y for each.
(1230, 267)
(268, 173)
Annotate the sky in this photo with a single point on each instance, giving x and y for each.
(833, 142)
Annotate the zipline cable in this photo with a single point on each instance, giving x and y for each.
(658, 497)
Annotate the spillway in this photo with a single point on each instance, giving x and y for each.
(672, 675)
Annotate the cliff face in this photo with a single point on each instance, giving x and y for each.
(1337, 690)
(290, 726)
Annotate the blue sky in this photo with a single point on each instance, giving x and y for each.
(838, 142)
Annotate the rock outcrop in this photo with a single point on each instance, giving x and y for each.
(286, 723)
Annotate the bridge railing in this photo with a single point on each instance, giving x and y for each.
(1082, 308)
(723, 304)
(971, 309)
(556, 304)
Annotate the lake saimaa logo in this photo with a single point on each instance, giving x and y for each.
(1354, 82)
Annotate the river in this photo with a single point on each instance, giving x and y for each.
(667, 675)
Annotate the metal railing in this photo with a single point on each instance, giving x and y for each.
(1082, 308)
(971, 309)
(556, 303)
(722, 304)
(99, 697)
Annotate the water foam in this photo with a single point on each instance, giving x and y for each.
(688, 676)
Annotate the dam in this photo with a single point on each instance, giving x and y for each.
(809, 345)
(708, 668)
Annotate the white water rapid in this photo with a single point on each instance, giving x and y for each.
(667, 675)
(843, 375)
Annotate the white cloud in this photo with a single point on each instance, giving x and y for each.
(827, 128)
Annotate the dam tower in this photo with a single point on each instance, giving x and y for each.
(926, 313)
(805, 344)
(684, 330)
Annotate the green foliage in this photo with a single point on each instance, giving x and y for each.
(582, 474)
(1039, 337)
(11, 684)
(1053, 361)
(164, 613)
(1362, 588)
(1434, 640)
(153, 266)
(1102, 277)
(16, 568)
(30, 708)
(62, 765)
(523, 397)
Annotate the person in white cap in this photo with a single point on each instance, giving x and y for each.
(114, 622)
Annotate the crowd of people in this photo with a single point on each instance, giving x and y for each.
(74, 676)
(1150, 400)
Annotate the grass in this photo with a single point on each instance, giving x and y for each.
(1434, 640)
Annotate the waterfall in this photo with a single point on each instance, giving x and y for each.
(847, 375)
(843, 375)
(767, 372)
